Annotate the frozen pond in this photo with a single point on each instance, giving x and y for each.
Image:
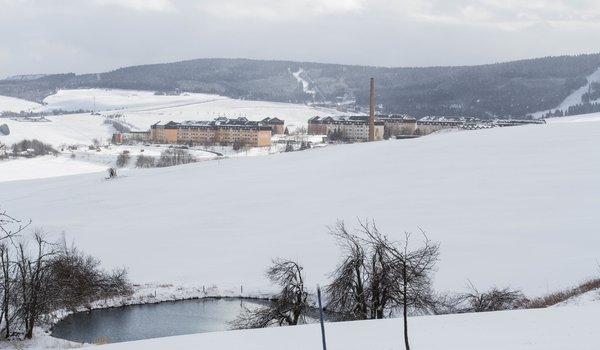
(150, 321)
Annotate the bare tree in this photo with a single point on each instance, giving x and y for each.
(494, 299)
(172, 157)
(33, 275)
(123, 159)
(143, 161)
(348, 292)
(378, 274)
(7, 287)
(11, 227)
(416, 269)
(288, 307)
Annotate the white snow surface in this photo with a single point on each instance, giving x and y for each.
(72, 129)
(575, 97)
(544, 329)
(12, 104)
(582, 118)
(44, 167)
(141, 109)
(510, 206)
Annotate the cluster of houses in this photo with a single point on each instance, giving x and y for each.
(241, 131)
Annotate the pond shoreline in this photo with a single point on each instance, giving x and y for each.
(156, 320)
(147, 294)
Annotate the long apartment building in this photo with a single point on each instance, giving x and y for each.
(350, 128)
(399, 124)
(221, 131)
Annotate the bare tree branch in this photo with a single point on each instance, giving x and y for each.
(288, 307)
(378, 274)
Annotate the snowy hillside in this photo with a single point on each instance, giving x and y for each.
(12, 104)
(510, 206)
(60, 130)
(546, 329)
(44, 167)
(141, 108)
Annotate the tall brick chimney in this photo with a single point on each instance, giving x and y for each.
(372, 112)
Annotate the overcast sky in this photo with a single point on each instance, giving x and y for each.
(81, 36)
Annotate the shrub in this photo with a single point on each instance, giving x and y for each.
(143, 161)
(238, 145)
(495, 299)
(77, 279)
(563, 295)
(123, 159)
(171, 157)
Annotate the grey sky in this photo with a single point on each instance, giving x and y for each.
(53, 36)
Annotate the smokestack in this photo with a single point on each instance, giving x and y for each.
(372, 112)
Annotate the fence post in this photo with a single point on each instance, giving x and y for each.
(321, 317)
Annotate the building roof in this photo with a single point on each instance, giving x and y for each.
(221, 122)
(272, 121)
(352, 119)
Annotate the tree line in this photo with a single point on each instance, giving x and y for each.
(493, 90)
(32, 148)
(168, 157)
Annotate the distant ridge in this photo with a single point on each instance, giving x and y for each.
(503, 89)
(25, 77)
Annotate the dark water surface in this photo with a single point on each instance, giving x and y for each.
(150, 321)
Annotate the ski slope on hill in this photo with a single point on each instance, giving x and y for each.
(141, 109)
(575, 97)
(510, 206)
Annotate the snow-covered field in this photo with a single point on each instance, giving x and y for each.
(141, 109)
(510, 206)
(78, 129)
(44, 167)
(521, 202)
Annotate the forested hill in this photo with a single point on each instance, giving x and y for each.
(503, 89)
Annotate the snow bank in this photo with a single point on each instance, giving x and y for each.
(547, 329)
